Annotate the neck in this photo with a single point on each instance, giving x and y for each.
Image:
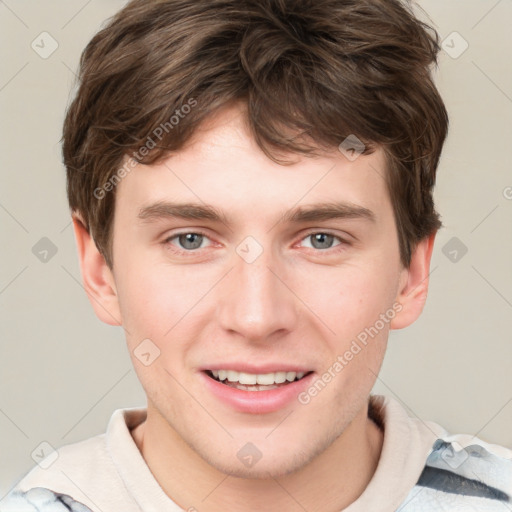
(330, 482)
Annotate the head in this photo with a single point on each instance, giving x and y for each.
(247, 109)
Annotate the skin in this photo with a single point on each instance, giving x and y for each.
(295, 303)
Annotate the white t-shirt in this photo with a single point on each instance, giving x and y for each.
(421, 469)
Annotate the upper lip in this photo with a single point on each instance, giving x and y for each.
(261, 369)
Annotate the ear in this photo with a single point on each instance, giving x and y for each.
(97, 277)
(413, 286)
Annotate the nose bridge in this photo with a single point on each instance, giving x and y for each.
(257, 303)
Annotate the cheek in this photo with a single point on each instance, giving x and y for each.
(150, 297)
(167, 305)
(349, 298)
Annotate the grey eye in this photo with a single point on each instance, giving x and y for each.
(190, 240)
(322, 240)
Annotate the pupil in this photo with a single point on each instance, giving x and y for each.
(324, 239)
(191, 240)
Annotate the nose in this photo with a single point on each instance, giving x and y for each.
(257, 302)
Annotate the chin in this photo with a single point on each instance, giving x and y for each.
(261, 470)
(270, 459)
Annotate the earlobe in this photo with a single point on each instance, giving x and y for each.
(97, 277)
(413, 288)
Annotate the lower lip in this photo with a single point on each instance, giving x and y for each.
(257, 402)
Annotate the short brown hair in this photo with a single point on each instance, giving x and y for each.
(310, 73)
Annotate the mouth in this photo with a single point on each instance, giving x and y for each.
(256, 390)
(255, 381)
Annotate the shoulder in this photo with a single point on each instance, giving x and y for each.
(433, 469)
(86, 461)
(463, 472)
(86, 470)
(77, 470)
(40, 499)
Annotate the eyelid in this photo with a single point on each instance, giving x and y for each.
(166, 242)
(315, 231)
(343, 241)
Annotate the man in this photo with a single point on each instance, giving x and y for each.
(251, 190)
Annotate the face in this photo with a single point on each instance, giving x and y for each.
(274, 275)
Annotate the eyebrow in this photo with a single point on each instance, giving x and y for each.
(196, 211)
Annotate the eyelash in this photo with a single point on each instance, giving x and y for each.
(337, 248)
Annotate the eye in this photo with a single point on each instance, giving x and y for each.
(190, 241)
(187, 241)
(321, 240)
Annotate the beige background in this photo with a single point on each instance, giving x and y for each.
(63, 372)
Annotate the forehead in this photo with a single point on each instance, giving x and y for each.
(222, 168)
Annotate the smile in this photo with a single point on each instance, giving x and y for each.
(254, 381)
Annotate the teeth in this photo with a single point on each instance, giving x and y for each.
(280, 377)
(232, 376)
(244, 378)
(264, 379)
